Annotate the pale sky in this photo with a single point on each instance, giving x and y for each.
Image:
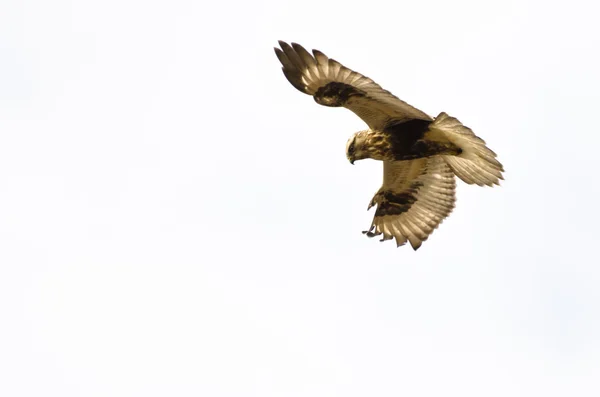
(177, 220)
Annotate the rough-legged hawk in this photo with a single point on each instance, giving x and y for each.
(420, 155)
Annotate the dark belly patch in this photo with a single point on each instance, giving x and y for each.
(409, 141)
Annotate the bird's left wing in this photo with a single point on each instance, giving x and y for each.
(333, 84)
(415, 197)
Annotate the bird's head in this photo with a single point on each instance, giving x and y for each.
(356, 148)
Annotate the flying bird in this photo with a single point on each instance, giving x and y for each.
(420, 154)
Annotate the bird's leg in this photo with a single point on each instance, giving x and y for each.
(369, 232)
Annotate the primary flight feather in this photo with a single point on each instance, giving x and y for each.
(420, 155)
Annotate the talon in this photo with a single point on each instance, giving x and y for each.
(368, 232)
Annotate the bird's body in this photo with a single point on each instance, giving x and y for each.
(408, 140)
(420, 155)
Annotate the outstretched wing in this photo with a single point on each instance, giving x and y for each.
(332, 84)
(415, 197)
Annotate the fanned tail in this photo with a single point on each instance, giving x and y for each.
(477, 163)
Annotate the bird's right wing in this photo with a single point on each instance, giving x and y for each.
(332, 84)
(415, 197)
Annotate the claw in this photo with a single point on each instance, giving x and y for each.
(369, 232)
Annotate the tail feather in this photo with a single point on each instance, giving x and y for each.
(477, 163)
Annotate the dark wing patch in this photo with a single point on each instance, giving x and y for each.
(337, 94)
(311, 73)
(416, 196)
(398, 203)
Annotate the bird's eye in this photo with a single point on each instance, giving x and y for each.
(351, 148)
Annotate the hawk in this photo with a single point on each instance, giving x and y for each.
(420, 154)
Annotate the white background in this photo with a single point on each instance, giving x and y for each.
(177, 220)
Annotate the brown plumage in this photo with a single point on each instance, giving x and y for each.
(420, 154)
